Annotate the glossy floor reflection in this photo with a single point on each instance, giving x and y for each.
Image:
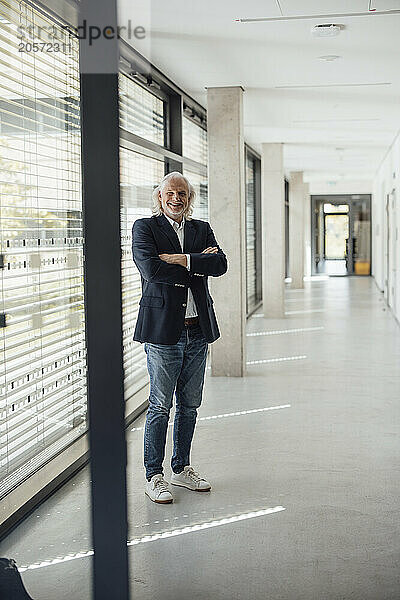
(302, 456)
(332, 267)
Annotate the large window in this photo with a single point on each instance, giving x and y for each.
(253, 233)
(139, 175)
(141, 112)
(43, 404)
(42, 338)
(286, 228)
(200, 184)
(194, 143)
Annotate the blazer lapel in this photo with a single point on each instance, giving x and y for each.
(189, 237)
(168, 230)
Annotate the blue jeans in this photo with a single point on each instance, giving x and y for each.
(178, 367)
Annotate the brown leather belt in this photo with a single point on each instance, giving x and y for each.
(191, 321)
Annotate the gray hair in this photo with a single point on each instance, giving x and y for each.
(157, 209)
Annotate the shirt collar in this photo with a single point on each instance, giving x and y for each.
(174, 224)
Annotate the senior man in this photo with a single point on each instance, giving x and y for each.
(175, 255)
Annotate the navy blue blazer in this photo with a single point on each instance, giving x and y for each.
(162, 307)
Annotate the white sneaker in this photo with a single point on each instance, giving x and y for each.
(157, 490)
(190, 479)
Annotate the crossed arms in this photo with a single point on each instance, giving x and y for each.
(168, 268)
(181, 259)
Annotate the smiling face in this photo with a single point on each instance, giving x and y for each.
(174, 198)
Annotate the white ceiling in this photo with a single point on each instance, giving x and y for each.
(331, 128)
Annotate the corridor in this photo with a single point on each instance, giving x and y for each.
(303, 456)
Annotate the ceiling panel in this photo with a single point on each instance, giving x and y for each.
(316, 7)
(207, 11)
(200, 45)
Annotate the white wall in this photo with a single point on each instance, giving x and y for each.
(319, 188)
(386, 237)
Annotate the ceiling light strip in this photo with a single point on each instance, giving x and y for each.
(309, 17)
(333, 120)
(325, 85)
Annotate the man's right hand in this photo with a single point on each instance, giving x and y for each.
(210, 250)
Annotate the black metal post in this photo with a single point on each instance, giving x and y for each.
(175, 132)
(101, 201)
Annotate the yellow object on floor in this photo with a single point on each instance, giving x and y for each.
(362, 268)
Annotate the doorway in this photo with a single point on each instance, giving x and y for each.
(336, 236)
(341, 235)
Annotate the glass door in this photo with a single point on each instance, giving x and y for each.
(336, 238)
(341, 235)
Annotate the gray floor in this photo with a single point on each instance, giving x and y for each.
(326, 459)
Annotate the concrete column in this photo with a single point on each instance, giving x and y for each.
(296, 229)
(227, 218)
(307, 230)
(273, 230)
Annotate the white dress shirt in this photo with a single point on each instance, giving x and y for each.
(191, 310)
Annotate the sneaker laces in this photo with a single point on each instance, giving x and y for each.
(194, 476)
(161, 485)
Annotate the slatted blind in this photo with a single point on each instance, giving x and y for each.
(251, 272)
(139, 176)
(42, 337)
(194, 141)
(200, 184)
(194, 144)
(42, 345)
(141, 112)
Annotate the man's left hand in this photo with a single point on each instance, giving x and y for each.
(174, 259)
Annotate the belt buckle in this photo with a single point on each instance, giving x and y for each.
(191, 321)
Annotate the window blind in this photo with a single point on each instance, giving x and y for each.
(251, 272)
(194, 144)
(200, 184)
(42, 340)
(141, 112)
(194, 141)
(139, 176)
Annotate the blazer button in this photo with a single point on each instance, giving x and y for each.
(184, 305)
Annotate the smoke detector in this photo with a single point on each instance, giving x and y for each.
(329, 57)
(327, 30)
